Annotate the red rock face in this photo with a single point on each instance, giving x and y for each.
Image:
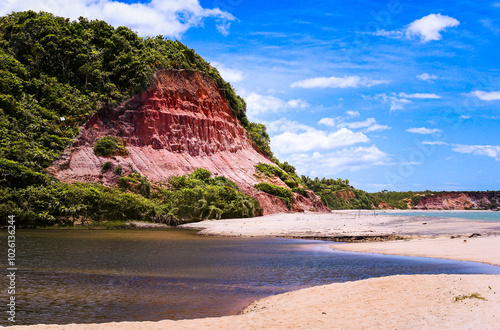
(182, 122)
(460, 201)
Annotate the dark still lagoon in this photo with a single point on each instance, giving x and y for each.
(92, 276)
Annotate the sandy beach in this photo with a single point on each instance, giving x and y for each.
(402, 302)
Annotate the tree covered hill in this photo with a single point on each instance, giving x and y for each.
(54, 74)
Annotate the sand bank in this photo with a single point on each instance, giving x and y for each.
(345, 224)
(402, 302)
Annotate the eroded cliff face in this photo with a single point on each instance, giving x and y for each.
(180, 123)
(460, 201)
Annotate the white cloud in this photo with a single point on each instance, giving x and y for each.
(346, 159)
(486, 96)
(429, 27)
(231, 75)
(389, 34)
(419, 96)
(465, 117)
(170, 18)
(395, 102)
(376, 128)
(426, 28)
(257, 104)
(423, 130)
(492, 26)
(352, 114)
(368, 125)
(314, 140)
(286, 125)
(435, 143)
(338, 82)
(327, 122)
(480, 150)
(427, 77)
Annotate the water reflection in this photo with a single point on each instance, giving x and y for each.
(84, 276)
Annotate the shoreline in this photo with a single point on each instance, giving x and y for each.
(402, 301)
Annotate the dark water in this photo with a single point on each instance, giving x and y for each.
(84, 276)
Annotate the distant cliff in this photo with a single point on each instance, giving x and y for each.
(460, 201)
(180, 123)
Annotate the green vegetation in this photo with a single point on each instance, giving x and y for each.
(338, 194)
(283, 193)
(401, 199)
(199, 196)
(474, 295)
(54, 74)
(289, 178)
(186, 199)
(110, 146)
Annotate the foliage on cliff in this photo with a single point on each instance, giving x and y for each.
(338, 194)
(188, 198)
(55, 73)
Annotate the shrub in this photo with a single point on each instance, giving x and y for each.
(201, 174)
(291, 183)
(301, 191)
(283, 193)
(119, 170)
(106, 167)
(110, 146)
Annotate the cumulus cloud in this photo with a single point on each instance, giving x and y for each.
(334, 162)
(395, 102)
(426, 28)
(486, 96)
(327, 122)
(231, 75)
(257, 104)
(368, 125)
(423, 130)
(480, 150)
(427, 77)
(419, 96)
(170, 18)
(430, 27)
(352, 114)
(398, 101)
(289, 142)
(338, 82)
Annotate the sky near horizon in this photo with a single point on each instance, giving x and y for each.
(397, 95)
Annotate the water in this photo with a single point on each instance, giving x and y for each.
(88, 276)
(471, 215)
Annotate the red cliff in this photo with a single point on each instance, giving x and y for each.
(180, 123)
(460, 201)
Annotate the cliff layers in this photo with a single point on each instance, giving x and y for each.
(460, 201)
(180, 123)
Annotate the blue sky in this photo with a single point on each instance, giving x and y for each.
(397, 95)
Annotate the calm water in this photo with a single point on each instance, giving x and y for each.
(472, 215)
(86, 276)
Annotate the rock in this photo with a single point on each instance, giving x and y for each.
(180, 123)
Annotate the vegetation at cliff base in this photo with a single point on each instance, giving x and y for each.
(283, 193)
(110, 146)
(54, 74)
(339, 194)
(186, 198)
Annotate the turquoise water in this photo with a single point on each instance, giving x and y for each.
(472, 215)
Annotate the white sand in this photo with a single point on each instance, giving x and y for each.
(344, 223)
(394, 302)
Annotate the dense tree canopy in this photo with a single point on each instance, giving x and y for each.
(55, 73)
